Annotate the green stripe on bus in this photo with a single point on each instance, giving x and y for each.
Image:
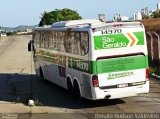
(75, 63)
(140, 37)
(110, 41)
(116, 40)
(101, 66)
(93, 67)
(121, 64)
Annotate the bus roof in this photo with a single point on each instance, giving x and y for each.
(89, 23)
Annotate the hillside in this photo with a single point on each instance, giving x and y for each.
(21, 27)
(152, 24)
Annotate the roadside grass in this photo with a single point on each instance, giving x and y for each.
(151, 24)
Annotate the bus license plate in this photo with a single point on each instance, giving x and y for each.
(122, 85)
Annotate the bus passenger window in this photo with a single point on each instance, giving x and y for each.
(67, 44)
(72, 43)
(52, 41)
(46, 40)
(84, 43)
(61, 41)
(77, 43)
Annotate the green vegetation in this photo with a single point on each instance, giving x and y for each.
(11, 33)
(58, 15)
(155, 14)
(145, 17)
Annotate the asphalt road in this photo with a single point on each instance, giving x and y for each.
(18, 84)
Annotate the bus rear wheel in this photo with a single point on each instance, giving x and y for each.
(77, 94)
(70, 88)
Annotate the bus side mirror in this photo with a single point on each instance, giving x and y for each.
(30, 46)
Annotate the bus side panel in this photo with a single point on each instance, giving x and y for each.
(50, 70)
(83, 81)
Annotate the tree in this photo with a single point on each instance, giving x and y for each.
(155, 14)
(58, 15)
(145, 17)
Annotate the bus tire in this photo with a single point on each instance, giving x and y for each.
(41, 74)
(70, 88)
(77, 93)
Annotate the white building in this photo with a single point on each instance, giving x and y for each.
(134, 16)
(2, 33)
(145, 11)
(24, 31)
(137, 16)
(118, 17)
(124, 18)
(102, 17)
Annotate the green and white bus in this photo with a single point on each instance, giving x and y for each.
(93, 59)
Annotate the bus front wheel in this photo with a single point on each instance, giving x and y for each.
(41, 74)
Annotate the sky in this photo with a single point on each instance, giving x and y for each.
(28, 12)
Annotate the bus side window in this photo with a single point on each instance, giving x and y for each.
(61, 41)
(52, 41)
(55, 41)
(72, 43)
(42, 39)
(45, 40)
(84, 43)
(86, 39)
(49, 40)
(77, 43)
(37, 40)
(67, 42)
